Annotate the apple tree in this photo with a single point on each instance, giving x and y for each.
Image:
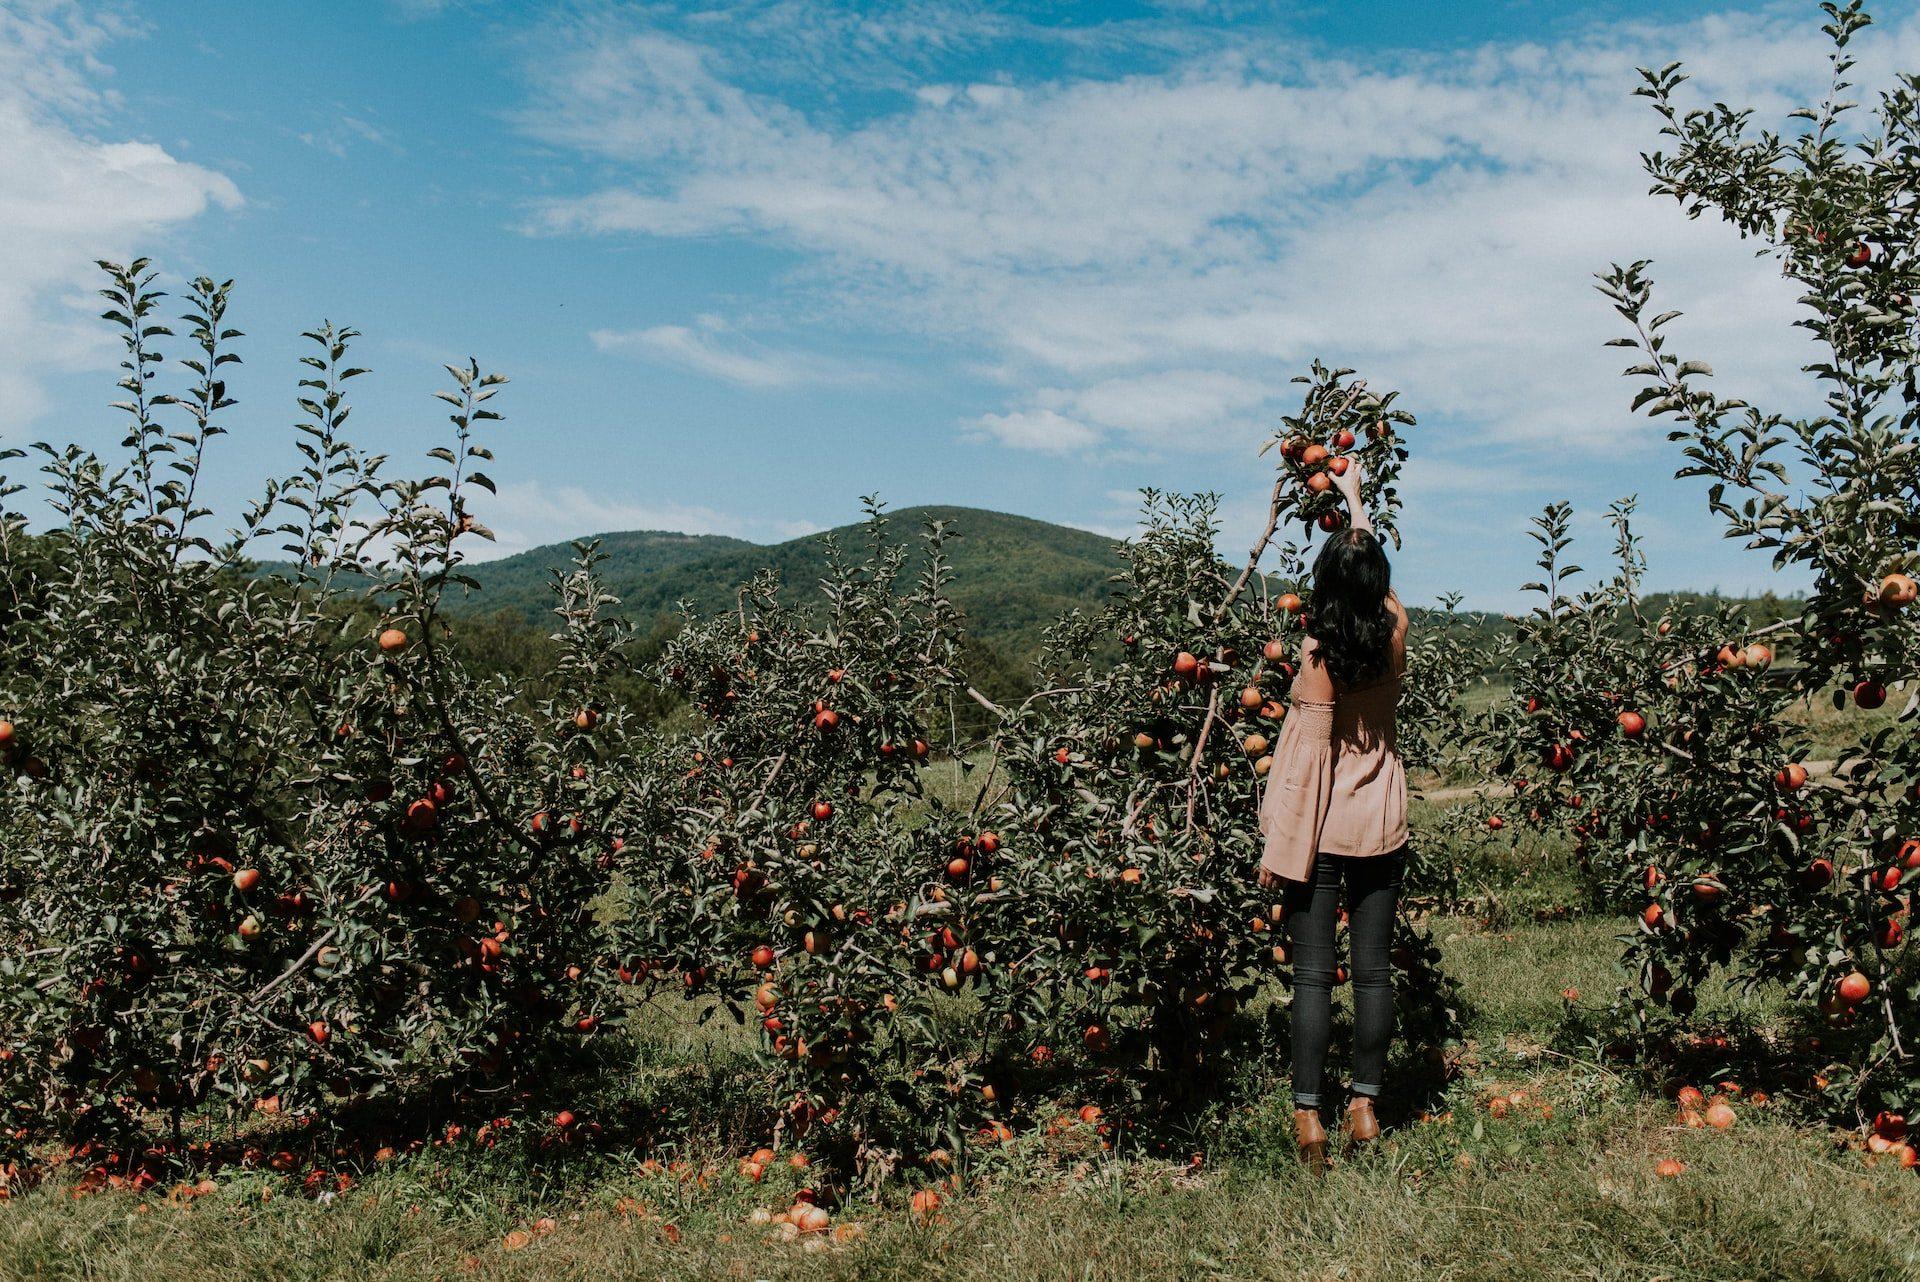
(1664, 744)
(1832, 492)
(265, 846)
(1134, 783)
(786, 856)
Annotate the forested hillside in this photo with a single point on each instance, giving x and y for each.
(1013, 575)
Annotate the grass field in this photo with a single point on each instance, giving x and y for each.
(1562, 1185)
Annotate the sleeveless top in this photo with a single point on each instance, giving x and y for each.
(1337, 784)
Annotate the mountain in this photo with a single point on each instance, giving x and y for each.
(518, 584)
(1013, 575)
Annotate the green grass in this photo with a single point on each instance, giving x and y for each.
(1574, 1197)
(1835, 728)
(1564, 1191)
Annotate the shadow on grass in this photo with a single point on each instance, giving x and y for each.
(616, 1098)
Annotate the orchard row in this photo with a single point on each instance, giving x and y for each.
(270, 844)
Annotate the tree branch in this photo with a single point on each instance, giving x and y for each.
(1273, 515)
(313, 949)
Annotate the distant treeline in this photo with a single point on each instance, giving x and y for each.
(1013, 576)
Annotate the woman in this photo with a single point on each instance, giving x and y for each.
(1335, 811)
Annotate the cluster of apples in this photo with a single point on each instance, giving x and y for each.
(1855, 253)
(1315, 465)
(1890, 1138)
(1895, 593)
(806, 1223)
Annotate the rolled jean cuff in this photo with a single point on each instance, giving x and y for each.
(1305, 1101)
(1361, 1088)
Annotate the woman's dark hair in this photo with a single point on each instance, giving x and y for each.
(1349, 615)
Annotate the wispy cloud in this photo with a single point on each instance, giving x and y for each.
(710, 347)
(339, 135)
(1148, 254)
(422, 10)
(1167, 407)
(1041, 430)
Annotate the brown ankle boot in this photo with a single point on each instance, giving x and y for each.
(1311, 1135)
(1362, 1126)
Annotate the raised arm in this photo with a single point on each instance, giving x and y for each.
(1348, 483)
(1401, 624)
(1359, 518)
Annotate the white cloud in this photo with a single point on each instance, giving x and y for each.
(70, 197)
(709, 349)
(1041, 430)
(528, 514)
(340, 134)
(1158, 252)
(1183, 403)
(423, 10)
(993, 95)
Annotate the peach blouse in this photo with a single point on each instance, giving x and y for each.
(1337, 783)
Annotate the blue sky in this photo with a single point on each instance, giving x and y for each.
(745, 263)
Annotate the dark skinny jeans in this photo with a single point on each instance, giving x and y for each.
(1373, 889)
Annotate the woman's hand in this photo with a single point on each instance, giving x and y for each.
(1268, 880)
(1348, 483)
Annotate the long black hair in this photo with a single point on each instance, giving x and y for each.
(1349, 615)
